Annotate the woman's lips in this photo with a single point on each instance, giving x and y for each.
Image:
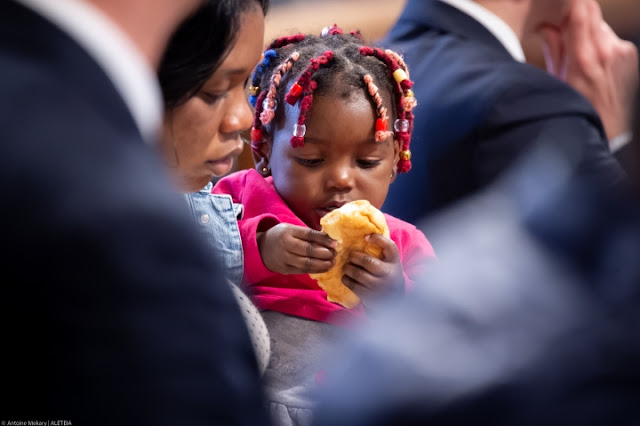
(224, 165)
(220, 167)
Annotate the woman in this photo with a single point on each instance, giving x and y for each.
(203, 76)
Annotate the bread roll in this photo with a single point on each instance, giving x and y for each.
(349, 225)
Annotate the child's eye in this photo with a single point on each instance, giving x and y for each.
(368, 164)
(309, 162)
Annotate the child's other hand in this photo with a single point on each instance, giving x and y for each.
(369, 276)
(291, 249)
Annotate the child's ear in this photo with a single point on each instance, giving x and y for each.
(396, 159)
(261, 158)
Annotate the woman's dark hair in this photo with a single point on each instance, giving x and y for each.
(199, 46)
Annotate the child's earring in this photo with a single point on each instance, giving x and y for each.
(263, 167)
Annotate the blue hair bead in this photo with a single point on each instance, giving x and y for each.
(257, 73)
(268, 55)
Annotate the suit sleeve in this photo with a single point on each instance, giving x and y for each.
(124, 318)
(526, 116)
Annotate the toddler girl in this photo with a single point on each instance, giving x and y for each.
(332, 124)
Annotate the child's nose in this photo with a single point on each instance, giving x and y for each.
(341, 178)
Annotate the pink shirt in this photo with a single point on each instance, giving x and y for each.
(299, 294)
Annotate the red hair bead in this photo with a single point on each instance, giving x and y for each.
(381, 125)
(294, 94)
(256, 134)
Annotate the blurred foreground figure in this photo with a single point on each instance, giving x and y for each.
(112, 311)
(530, 318)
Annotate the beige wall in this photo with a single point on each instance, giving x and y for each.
(375, 17)
(372, 17)
(623, 16)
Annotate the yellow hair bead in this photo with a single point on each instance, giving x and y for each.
(399, 75)
(405, 155)
(409, 94)
(253, 90)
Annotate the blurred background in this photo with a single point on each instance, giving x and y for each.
(372, 17)
(375, 17)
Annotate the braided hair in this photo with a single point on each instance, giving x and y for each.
(296, 68)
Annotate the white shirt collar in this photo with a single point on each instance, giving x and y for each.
(114, 51)
(500, 29)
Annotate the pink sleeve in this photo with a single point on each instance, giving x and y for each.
(254, 269)
(416, 254)
(258, 196)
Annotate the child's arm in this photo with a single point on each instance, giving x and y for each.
(292, 249)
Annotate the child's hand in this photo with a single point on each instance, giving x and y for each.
(368, 276)
(291, 249)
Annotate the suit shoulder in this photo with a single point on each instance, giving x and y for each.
(529, 77)
(529, 90)
(451, 65)
(456, 77)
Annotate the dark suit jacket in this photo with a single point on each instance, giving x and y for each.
(112, 311)
(478, 109)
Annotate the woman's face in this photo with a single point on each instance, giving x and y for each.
(202, 135)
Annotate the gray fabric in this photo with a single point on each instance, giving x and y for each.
(257, 328)
(298, 348)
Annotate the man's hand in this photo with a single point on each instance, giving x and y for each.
(291, 249)
(588, 55)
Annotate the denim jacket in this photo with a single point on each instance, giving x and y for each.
(218, 217)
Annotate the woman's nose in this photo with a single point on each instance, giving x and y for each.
(239, 114)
